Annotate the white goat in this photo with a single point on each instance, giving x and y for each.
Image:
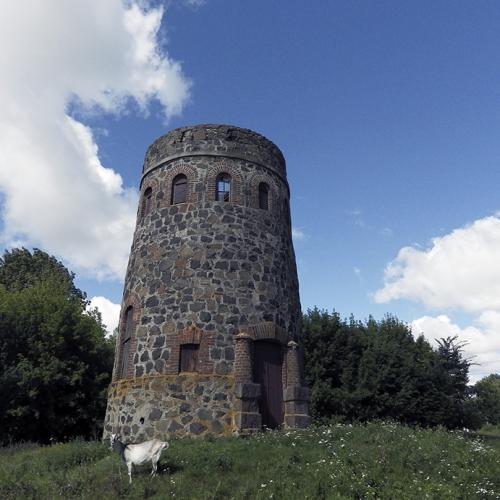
(138, 454)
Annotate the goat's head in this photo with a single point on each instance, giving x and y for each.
(113, 438)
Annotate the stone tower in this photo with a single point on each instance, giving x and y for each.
(209, 334)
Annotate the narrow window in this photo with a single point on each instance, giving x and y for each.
(189, 358)
(223, 187)
(286, 210)
(179, 189)
(263, 196)
(146, 202)
(127, 335)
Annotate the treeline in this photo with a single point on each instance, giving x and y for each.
(55, 360)
(56, 363)
(360, 371)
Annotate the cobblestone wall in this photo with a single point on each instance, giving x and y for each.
(199, 273)
(171, 404)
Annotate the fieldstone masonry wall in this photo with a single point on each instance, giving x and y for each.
(214, 275)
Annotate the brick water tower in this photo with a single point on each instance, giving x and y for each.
(209, 333)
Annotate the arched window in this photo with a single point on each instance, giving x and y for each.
(263, 196)
(125, 344)
(147, 200)
(223, 187)
(179, 189)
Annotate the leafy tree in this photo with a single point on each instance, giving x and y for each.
(487, 400)
(363, 371)
(56, 362)
(20, 269)
(333, 350)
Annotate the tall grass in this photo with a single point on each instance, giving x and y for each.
(490, 430)
(376, 460)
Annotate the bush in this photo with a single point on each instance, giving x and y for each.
(363, 371)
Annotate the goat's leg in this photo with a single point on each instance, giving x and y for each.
(129, 467)
(154, 461)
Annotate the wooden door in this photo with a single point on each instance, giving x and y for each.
(267, 372)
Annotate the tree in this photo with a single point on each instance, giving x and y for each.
(487, 400)
(20, 269)
(332, 355)
(454, 380)
(363, 371)
(56, 361)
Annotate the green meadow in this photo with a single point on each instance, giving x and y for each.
(375, 460)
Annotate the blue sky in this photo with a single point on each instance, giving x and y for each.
(387, 113)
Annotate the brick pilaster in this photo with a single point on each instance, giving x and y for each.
(293, 364)
(296, 396)
(243, 358)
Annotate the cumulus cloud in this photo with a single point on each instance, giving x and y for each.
(110, 312)
(482, 341)
(460, 270)
(95, 56)
(298, 234)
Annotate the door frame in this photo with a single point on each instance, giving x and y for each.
(281, 388)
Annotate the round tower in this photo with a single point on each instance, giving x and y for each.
(209, 333)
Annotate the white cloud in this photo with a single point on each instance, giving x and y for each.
(100, 57)
(387, 232)
(110, 312)
(195, 4)
(298, 234)
(356, 216)
(354, 213)
(460, 271)
(482, 341)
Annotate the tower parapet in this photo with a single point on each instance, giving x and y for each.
(215, 140)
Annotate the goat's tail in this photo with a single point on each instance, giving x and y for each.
(165, 445)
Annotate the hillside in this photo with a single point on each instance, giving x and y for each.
(377, 460)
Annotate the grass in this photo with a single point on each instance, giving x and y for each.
(491, 434)
(490, 430)
(376, 460)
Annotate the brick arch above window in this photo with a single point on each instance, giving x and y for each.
(255, 183)
(191, 336)
(127, 335)
(170, 174)
(224, 167)
(153, 185)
